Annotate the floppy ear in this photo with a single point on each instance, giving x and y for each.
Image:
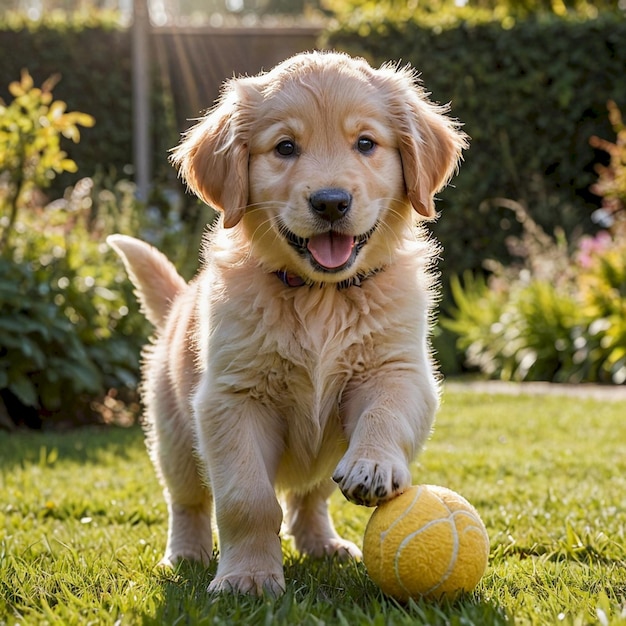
(212, 158)
(429, 141)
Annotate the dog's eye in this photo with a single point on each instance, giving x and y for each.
(286, 148)
(365, 145)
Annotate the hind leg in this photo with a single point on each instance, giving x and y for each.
(170, 441)
(309, 522)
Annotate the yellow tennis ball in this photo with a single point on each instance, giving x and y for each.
(428, 542)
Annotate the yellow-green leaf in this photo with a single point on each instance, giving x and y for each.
(69, 165)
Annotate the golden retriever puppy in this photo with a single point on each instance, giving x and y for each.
(299, 355)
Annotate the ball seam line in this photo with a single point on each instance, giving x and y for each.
(451, 561)
(417, 496)
(451, 520)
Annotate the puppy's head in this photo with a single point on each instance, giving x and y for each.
(322, 162)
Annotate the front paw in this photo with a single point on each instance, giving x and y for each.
(370, 482)
(259, 584)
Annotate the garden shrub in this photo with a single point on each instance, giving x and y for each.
(69, 328)
(31, 126)
(560, 315)
(58, 348)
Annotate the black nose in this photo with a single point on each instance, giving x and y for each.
(331, 204)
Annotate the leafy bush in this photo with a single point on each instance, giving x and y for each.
(46, 360)
(31, 127)
(70, 330)
(534, 329)
(525, 333)
(67, 336)
(561, 314)
(58, 351)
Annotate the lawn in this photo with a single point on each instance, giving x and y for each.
(82, 525)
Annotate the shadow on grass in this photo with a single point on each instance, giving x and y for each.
(87, 444)
(318, 592)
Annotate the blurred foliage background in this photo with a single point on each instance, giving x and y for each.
(534, 262)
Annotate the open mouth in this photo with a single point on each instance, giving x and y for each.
(330, 251)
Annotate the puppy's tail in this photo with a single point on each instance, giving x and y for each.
(156, 280)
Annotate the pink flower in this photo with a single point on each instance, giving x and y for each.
(590, 247)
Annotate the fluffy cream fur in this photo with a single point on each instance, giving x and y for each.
(253, 386)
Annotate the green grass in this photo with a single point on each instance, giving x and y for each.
(82, 525)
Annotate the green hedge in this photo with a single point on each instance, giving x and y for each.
(530, 95)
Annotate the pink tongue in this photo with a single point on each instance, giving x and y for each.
(331, 250)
